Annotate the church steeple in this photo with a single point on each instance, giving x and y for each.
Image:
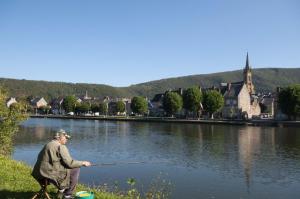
(86, 97)
(247, 67)
(248, 76)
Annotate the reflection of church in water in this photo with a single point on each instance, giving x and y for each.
(250, 142)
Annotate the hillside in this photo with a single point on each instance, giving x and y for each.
(24, 88)
(265, 79)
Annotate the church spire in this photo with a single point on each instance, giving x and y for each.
(247, 67)
(248, 76)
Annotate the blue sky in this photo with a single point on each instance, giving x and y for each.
(124, 42)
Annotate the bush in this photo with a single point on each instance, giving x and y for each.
(10, 117)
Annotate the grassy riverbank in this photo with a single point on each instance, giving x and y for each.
(17, 183)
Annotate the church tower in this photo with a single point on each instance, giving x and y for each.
(248, 77)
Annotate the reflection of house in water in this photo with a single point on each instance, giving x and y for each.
(33, 134)
(122, 128)
(249, 141)
(39, 132)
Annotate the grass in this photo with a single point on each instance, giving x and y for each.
(16, 182)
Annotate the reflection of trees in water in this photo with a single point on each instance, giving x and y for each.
(133, 128)
(288, 138)
(192, 145)
(265, 152)
(29, 135)
(195, 145)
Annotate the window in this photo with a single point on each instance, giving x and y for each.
(234, 102)
(228, 102)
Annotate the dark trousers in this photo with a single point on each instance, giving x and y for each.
(74, 175)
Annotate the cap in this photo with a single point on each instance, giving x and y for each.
(61, 132)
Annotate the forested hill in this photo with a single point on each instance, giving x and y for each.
(265, 79)
(49, 90)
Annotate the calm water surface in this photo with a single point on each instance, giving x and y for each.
(200, 161)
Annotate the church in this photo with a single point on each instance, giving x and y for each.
(240, 100)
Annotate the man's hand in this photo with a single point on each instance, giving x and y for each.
(86, 164)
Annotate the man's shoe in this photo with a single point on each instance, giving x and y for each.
(68, 197)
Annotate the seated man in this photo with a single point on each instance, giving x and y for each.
(55, 164)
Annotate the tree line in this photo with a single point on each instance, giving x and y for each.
(192, 100)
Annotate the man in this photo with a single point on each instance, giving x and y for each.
(55, 164)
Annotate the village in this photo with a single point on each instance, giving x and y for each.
(240, 102)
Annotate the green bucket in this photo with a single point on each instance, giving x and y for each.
(84, 195)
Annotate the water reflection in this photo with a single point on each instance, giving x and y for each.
(210, 160)
(249, 145)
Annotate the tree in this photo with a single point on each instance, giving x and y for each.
(103, 108)
(139, 105)
(172, 103)
(10, 118)
(69, 103)
(95, 108)
(76, 107)
(192, 98)
(83, 107)
(120, 107)
(212, 101)
(45, 109)
(289, 101)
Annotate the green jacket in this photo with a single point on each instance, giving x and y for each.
(54, 162)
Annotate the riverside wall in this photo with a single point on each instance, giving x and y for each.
(269, 122)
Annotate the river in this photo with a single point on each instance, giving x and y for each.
(199, 160)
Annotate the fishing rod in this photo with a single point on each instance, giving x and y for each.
(116, 163)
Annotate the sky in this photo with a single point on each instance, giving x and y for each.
(125, 42)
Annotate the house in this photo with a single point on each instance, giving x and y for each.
(127, 102)
(112, 108)
(156, 106)
(112, 105)
(78, 100)
(267, 105)
(56, 106)
(11, 101)
(106, 99)
(38, 102)
(236, 100)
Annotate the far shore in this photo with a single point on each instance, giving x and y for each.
(264, 122)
